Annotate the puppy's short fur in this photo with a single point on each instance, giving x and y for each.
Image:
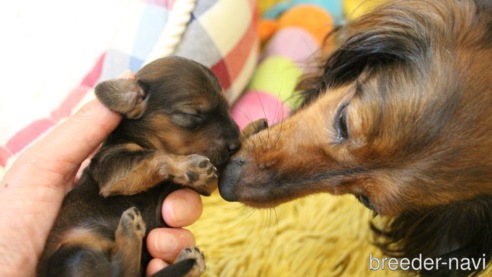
(175, 132)
(399, 116)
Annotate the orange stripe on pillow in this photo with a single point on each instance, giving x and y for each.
(238, 56)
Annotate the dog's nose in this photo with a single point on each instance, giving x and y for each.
(229, 179)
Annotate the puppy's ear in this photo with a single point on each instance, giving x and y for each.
(254, 127)
(124, 96)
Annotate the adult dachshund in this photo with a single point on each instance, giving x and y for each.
(400, 116)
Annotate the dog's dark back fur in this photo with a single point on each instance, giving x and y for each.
(415, 77)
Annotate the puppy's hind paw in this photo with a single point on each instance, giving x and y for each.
(132, 224)
(190, 263)
(193, 253)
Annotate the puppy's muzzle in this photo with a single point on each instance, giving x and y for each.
(229, 179)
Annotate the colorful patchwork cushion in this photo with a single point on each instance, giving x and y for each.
(293, 32)
(212, 33)
(286, 57)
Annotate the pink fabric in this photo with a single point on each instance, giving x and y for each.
(163, 3)
(256, 105)
(34, 130)
(4, 156)
(295, 44)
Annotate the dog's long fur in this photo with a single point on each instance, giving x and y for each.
(400, 116)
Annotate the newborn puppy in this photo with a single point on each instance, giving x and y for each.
(175, 132)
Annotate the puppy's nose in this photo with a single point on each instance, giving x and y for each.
(229, 179)
(233, 147)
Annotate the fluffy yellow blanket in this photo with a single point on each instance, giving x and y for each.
(320, 235)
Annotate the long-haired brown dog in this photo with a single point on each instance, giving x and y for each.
(401, 117)
(176, 129)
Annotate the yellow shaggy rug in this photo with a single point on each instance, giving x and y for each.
(320, 235)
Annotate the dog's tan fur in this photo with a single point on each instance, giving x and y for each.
(414, 140)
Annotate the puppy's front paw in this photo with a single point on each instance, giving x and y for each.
(197, 173)
(193, 253)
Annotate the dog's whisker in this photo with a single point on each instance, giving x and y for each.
(279, 133)
(256, 130)
(250, 212)
(249, 139)
(262, 107)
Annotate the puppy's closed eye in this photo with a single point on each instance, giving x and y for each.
(188, 120)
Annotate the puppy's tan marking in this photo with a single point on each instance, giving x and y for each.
(87, 238)
(150, 167)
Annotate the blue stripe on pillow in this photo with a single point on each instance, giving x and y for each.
(115, 63)
(152, 24)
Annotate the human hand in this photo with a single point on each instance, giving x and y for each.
(32, 191)
(181, 208)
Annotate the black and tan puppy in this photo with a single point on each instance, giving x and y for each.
(175, 132)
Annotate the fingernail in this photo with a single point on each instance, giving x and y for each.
(165, 243)
(125, 75)
(180, 209)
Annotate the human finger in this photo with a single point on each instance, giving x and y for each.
(154, 266)
(167, 243)
(182, 208)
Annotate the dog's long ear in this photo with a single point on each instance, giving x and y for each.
(362, 48)
(123, 96)
(460, 230)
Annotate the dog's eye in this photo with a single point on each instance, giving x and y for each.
(341, 124)
(188, 120)
(364, 200)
